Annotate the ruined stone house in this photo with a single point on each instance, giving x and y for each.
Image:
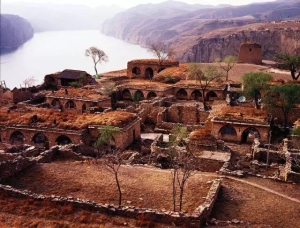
(241, 124)
(66, 77)
(148, 68)
(74, 100)
(46, 128)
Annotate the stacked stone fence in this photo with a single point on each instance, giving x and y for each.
(194, 220)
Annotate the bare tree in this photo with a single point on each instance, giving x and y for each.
(162, 51)
(205, 78)
(97, 55)
(28, 82)
(113, 162)
(183, 163)
(227, 64)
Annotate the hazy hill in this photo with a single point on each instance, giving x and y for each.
(182, 25)
(14, 31)
(47, 16)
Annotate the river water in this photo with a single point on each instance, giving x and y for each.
(49, 52)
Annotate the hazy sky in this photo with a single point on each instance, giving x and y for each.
(131, 3)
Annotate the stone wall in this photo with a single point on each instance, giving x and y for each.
(21, 94)
(138, 68)
(79, 104)
(124, 138)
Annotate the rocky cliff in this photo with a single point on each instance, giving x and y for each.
(199, 34)
(274, 38)
(15, 31)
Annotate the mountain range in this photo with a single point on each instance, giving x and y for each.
(185, 27)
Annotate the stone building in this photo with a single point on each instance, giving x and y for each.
(241, 125)
(148, 68)
(250, 52)
(144, 89)
(46, 128)
(77, 100)
(66, 77)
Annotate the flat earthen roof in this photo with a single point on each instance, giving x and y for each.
(144, 84)
(64, 120)
(74, 93)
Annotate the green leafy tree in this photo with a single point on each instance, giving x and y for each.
(227, 64)
(290, 62)
(284, 97)
(97, 55)
(205, 78)
(105, 137)
(254, 83)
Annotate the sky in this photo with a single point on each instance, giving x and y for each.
(131, 3)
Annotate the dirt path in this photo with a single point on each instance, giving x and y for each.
(264, 188)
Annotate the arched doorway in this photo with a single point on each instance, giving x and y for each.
(70, 105)
(136, 71)
(249, 134)
(55, 103)
(126, 95)
(227, 132)
(181, 94)
(149, 73)
(83, 108)
(17, 138)
(196, 95)
(211, 95)
(39, 138)
(151, 95)
(63, 140)
(138, 95)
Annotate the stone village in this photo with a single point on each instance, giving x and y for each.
(228, 138)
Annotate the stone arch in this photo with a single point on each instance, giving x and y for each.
(181, 94)
(211, 94)
(17, 137)
(136, 71)
(138, 95)
(160, 69)
(126, 94)
(39, 138)
(149, 73)
(196, 95)
(228, 133)
(63, 140)
(83, 108)
(249, 134)
(70, 104)
(151, 95)
(56, 103)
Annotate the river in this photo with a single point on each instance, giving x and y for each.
(49, 52)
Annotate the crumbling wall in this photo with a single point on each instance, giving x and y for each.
(181, 219)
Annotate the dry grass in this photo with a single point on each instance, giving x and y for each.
(202, 135)
(143, 187)
(65, 120)
(235, 73)
(197, 83)
(17, 212)
(144, 84)
(74, 93)
(150, 61)
(243, 113)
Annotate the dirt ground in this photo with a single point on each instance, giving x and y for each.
(250, 206)
(141, 187)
